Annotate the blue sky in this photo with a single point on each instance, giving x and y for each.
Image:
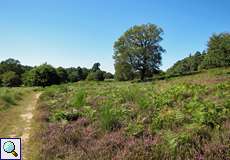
(81, 32)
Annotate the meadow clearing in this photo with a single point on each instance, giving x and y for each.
(185, 117)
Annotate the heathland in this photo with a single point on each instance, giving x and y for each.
(177, 118)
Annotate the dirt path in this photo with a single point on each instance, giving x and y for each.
(17, 121)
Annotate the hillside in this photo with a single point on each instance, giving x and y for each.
(179, 118)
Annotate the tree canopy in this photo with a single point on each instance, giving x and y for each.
(217, 55)
(189, 64)
(62, 74)
(139, 50)
(96, 74)
(218, 51)
(10, 79)
(96, 66)
(43, 75)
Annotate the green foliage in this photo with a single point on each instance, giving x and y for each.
(174, 140)
(170, 119)
(218, 55)
(10, 79)
(11, 65)
(79, 99)
(73, 74)
(11, 72)
(135, 129)
(139, 50)
(96, 76)
(123, 71)
(110, 118)
(99, 76)
(66, 116)
(62, 75)
(88, 112)
(96, 67)
(143, 101)
(108, 75)
(218, 51)
(85, 73)
(43, 75)
(10, 97)
(188, 64)
(128, 94)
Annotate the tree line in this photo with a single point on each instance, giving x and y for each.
(217, 55)
(137, 54)
(14, 74)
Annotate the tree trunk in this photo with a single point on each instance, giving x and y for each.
(142, 72)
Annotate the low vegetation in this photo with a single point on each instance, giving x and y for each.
(10, 97)
(178, 118)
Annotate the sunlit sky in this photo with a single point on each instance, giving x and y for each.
(80, 32)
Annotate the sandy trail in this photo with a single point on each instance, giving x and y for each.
(27, 117)
(23, 128)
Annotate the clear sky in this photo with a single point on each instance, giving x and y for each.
(81, 32)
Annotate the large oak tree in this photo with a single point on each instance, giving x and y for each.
(138, 49)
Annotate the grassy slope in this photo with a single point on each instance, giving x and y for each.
(180, 118)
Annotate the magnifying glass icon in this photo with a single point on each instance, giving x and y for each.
(9, 147)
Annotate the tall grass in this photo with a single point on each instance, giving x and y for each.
(110, 118)
(79, 99)
(9, 97)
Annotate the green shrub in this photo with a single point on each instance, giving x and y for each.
(128, 94)
(88, 112)
(143, 102)
(135, 129)
(10, 79)
(174, 140)
(79, 99)
(10, 96)
(96, 76)
(43, 75)
(64, 115)
(167, 119)
(8, 99)
(110, 118)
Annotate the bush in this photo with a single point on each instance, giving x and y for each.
(96, 76)
(11, 79)
(108, 75)
(68, 116)
(43, 75)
